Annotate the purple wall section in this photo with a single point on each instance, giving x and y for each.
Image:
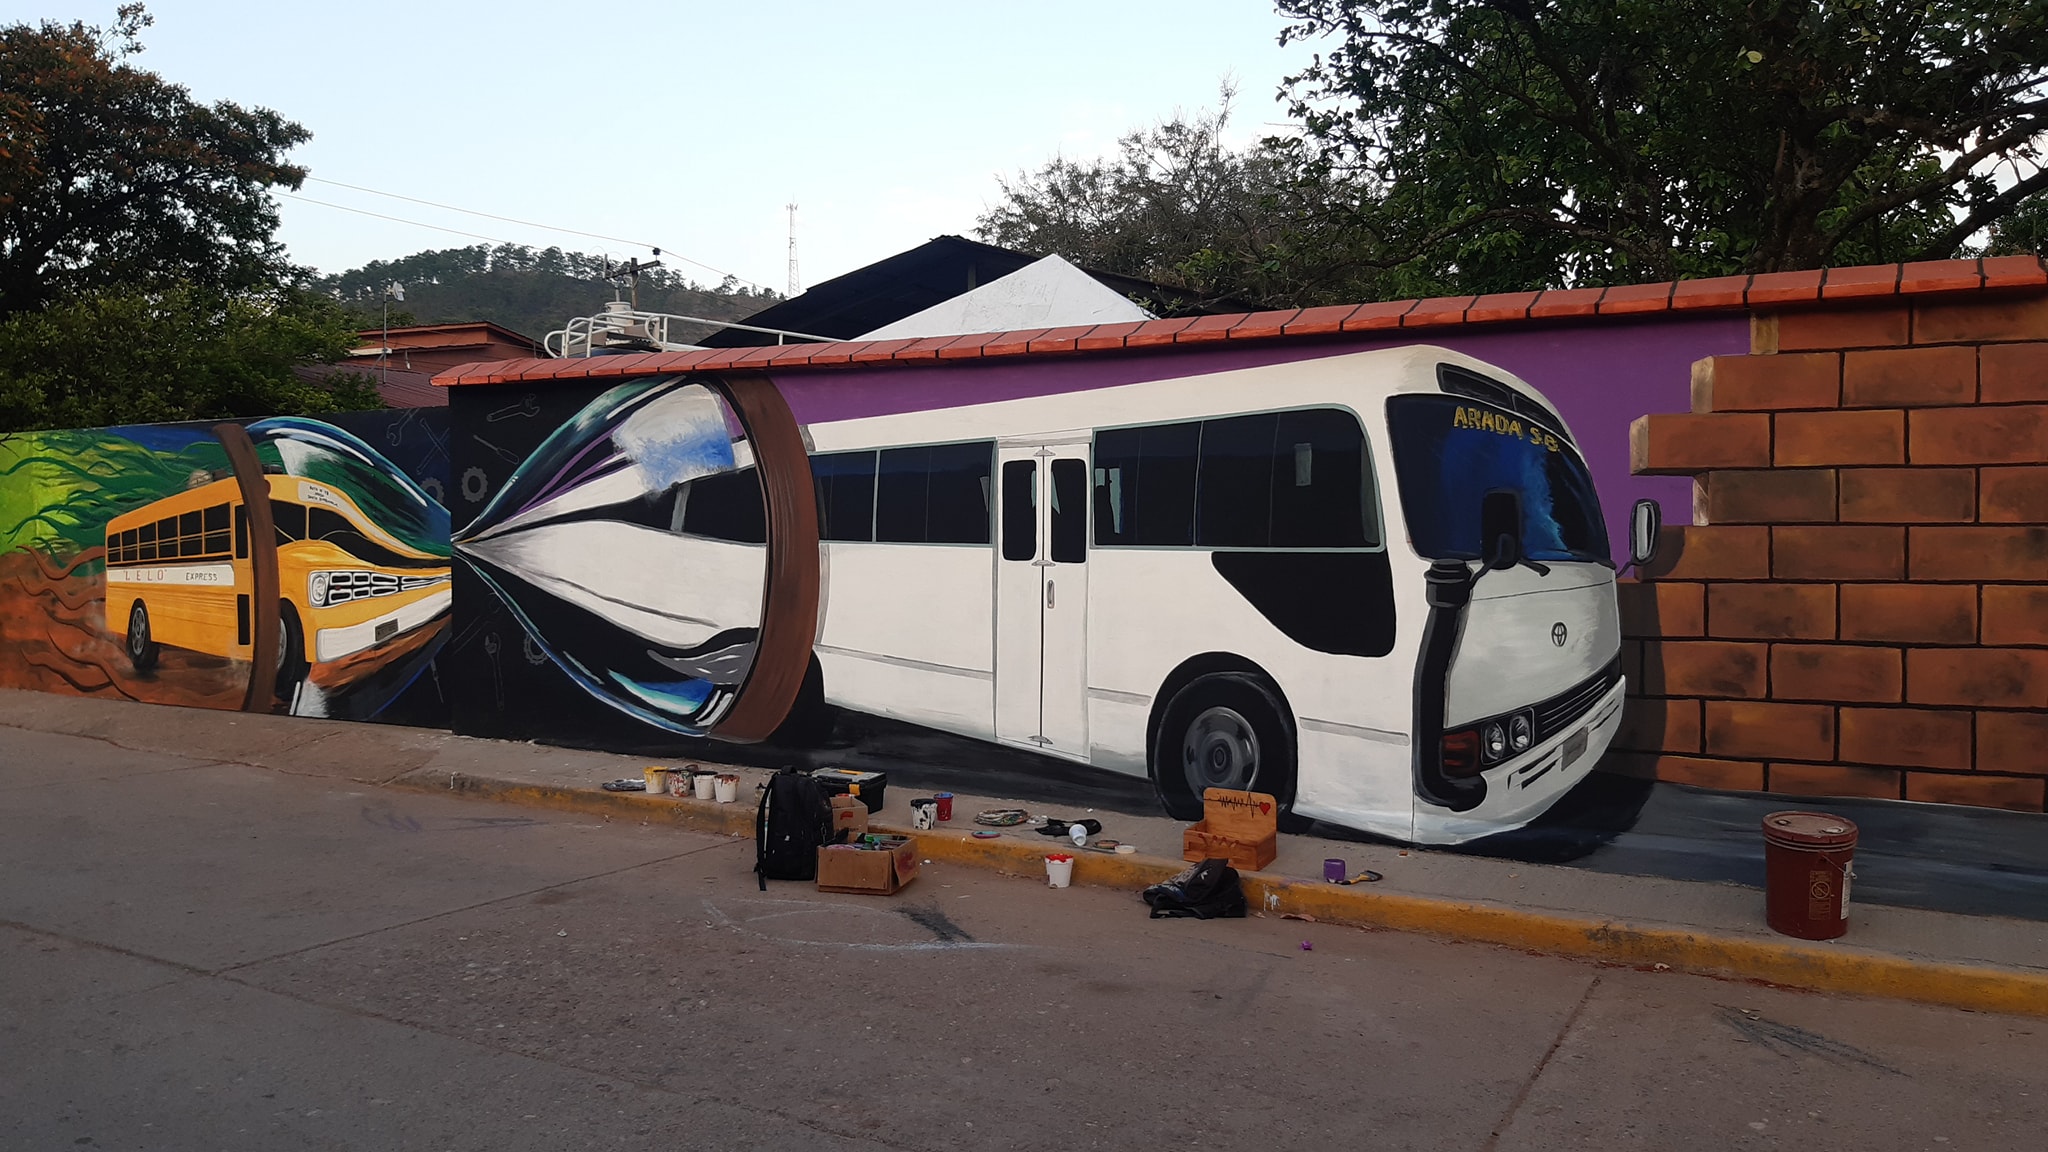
(1601, 376)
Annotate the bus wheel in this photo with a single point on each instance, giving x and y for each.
(141, 649)
(1223, 731)
(291, 652)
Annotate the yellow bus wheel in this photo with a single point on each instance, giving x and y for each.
(142, 651)
(291, 651)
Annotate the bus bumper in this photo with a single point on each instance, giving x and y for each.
(1524, 788)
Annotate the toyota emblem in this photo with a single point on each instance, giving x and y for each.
(1558, 634)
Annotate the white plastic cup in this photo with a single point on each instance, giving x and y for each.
(706, 785)
(727, 789)
(1059, 871)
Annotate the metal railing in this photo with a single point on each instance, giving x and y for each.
(620, 327)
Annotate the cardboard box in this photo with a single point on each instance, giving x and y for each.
(1241, 827)
(850, 816)
(881, 868)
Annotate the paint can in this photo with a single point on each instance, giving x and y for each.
(945, 800)
(681, 783)
(657, 780)
(924, 812)
(727, 787)
(1809, 861)
(1334, 870)
(705, 785)
(1059, 870)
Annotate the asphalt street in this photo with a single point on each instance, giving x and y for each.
(199, 955)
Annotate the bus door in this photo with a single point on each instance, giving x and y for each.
(1042, 598)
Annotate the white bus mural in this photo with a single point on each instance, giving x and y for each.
(1377, 585)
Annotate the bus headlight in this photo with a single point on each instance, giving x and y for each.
(316, 590)
(1493, 741)
(1521, 732)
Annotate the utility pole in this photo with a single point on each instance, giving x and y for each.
(795, 284)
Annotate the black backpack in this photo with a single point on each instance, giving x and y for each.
(793, 820)
(1206, 891)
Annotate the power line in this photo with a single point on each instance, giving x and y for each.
(658, 249)
(395, 219)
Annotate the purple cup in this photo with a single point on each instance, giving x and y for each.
(1333, 871)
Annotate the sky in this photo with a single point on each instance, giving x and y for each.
(689, 125)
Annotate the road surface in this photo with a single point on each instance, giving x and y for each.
(208, 956)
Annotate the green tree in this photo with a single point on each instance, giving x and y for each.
(111, 177)
(531, 292)
(1515, 144)
(180, 354)
(1176, 205)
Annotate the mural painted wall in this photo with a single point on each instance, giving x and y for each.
(283, 565)
(1238, 568)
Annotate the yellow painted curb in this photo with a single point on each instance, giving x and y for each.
(1815, 967)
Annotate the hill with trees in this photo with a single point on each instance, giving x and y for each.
(532, 292)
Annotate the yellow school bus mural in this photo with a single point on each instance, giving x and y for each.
(352, 596)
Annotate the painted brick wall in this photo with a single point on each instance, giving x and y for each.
(1861, 605)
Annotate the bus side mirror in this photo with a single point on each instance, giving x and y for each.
(1500, 529)
(1646, 521)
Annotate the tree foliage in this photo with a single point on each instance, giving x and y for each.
(531, 292)
(1514, 144)
(183, 353)
(110, 177)
(1175, 204)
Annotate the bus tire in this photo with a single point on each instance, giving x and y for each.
(1223, 730)
(142, 651)
(291, 651)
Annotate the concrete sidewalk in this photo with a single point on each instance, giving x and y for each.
(1981, 962)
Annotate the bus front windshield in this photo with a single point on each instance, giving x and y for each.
(1449, 452)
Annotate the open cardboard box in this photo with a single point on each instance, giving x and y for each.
(879, 870)
(850, 816)
(1241, 827)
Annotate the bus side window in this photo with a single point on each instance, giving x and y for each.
(1322, 483)
(191, 536)
(1146, 485)
(146, 538)
(241, 532)
(956, 493)
(290, 520)
(1069, 511)
(846, 495)
(1234, 507)
(902, 481)
(725, 506)
(1020, 509)
(217, 530)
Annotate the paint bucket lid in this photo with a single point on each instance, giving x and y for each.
(1809, 830)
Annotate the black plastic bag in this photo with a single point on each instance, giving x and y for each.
(1207, 891)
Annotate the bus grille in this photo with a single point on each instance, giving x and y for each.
(1564, 709)
(343, 587)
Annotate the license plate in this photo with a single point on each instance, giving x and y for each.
(1574, 747)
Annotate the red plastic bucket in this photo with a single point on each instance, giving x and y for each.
(1809, 862)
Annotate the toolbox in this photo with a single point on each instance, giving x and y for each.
(841, 781)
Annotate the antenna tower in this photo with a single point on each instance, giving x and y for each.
(795, 284)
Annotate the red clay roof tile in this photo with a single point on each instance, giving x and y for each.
(1940, 276)
(1323, 321)
(1627, 299)
(1013, 343)
(1108, 336)
(1206, 328)
(1715, 292)
(1500, 306)
(1441, 310)
(1059, 339)
(1368, 317)
(969, 346)
(1785, 287)
(1566, 302)
(2014, 271)
(1153, 333)
(1849, 283)
(1764, 290)
(1263, 325)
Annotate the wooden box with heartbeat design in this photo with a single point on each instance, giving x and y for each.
(1241, 827)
